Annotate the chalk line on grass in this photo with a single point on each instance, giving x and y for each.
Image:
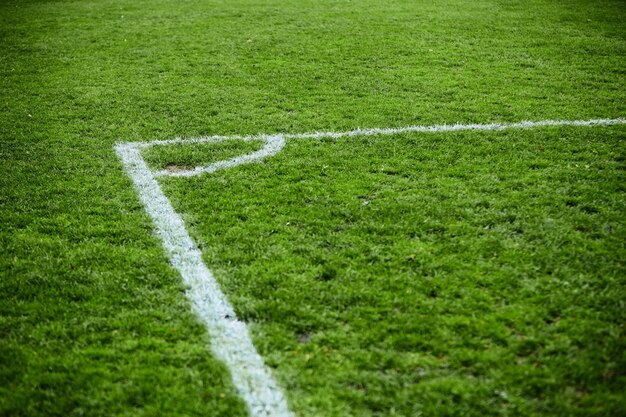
(230, 340)
(229, 337)
(274, 143)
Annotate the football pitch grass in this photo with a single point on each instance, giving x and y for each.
(436, 274)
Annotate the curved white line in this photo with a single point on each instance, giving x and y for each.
(273, 145)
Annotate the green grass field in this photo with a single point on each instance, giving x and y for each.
(417, 274)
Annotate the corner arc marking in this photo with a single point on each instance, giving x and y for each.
(273, 145)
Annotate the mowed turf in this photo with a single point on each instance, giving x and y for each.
(446, 274)
(477, 273)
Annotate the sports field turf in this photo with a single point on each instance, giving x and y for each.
(469, 273)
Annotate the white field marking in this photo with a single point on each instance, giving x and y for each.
(274, 143)
(230, 340)
(229, 337)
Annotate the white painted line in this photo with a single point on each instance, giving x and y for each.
(274, 143)
(230, 340)
(457, 127)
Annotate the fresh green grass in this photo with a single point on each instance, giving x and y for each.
(474, 273)
(444, 274)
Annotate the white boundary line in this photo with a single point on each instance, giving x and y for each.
(274, 143)
(230, 340)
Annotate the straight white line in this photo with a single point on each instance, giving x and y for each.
(391, 131)
(457, 127)
(274, 143)
(230, 340)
